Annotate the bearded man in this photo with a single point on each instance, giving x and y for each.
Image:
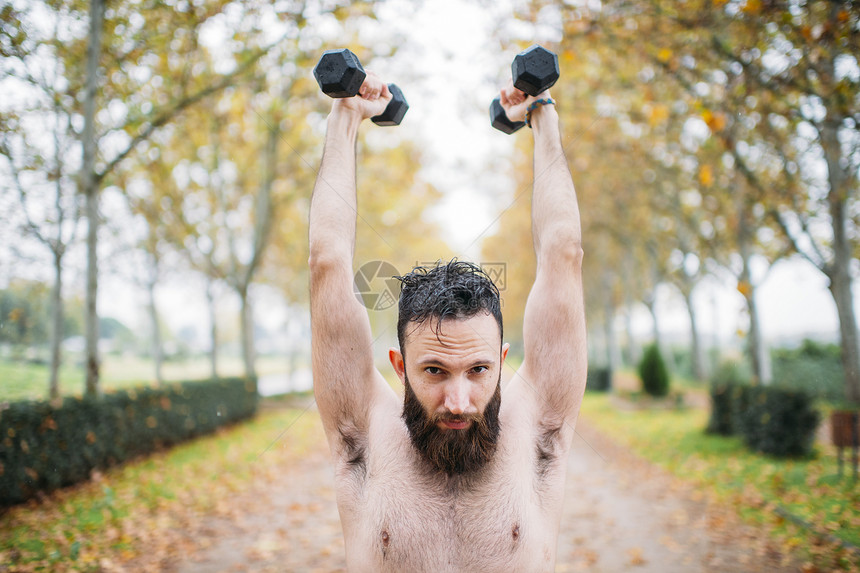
(463, 475)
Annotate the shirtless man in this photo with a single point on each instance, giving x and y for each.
(463, 475)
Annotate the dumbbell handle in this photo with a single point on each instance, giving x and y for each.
(340, 74)
(522, 73)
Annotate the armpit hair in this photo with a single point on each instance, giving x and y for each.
(354, 449)
(546, 448)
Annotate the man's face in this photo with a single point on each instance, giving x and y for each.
(453, 393)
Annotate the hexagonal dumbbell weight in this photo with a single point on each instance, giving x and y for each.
(500, 120)
(340, 74)
(533, 71)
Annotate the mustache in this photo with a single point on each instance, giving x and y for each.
(449, 417)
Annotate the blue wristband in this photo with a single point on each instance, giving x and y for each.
(536, 104)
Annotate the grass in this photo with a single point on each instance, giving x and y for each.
(756, 484)
(143, 505)
(26, 381)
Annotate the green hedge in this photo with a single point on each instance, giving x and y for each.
(599, 379)
(727, 398)
(778, 421)
(722, 410)
(43, 447)
(653, 372)
(771, 420)
(814, 367)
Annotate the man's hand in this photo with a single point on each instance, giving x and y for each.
(372, 99)
(516, 102)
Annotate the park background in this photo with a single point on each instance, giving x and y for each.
(154, 199)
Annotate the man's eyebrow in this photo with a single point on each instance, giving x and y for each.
(430, 361)
(434, 361)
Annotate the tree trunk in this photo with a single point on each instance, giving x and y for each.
(840, 287)
(696, 344)
(248, 335)
(839, 271)
(632, 348)
(757, 352)
(716, 351)
(89, 186)
(651, 302)
(612, 351)
(157, 352)
(213, 330)
(56, 326)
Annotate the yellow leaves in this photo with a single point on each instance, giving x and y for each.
(752, 7)
(657, 114)
(745, 288)
(715, 121)
(151, 422)
(165, 403)
(664, 55)
(48, 424)
(706, 176)
(91, 437)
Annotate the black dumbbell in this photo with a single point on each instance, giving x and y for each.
(533, 71)
(340, 74)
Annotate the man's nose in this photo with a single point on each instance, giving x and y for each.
(457, 396)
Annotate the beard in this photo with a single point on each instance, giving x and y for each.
(453, 451)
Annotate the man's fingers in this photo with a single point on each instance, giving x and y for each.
(373, 88)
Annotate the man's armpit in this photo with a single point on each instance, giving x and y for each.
(353, 448)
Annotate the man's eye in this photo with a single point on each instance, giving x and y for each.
(480, 369)
(432, 370)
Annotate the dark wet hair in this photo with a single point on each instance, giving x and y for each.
(456, 289)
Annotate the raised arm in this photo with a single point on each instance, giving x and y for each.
(555, 362)
(346, 383)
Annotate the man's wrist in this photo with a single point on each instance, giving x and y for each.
(537, 104)
(343, 120)
(542, 117)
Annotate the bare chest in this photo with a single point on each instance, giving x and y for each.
(402, 518)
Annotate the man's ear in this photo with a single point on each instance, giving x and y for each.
(505, 348)
(396, 358)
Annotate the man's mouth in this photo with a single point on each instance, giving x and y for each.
(455, 424)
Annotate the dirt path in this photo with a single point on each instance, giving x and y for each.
(620, 514)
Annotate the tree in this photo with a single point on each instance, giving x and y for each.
(36, 143)
(776, 85)
(140, 70)
(795, 65)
